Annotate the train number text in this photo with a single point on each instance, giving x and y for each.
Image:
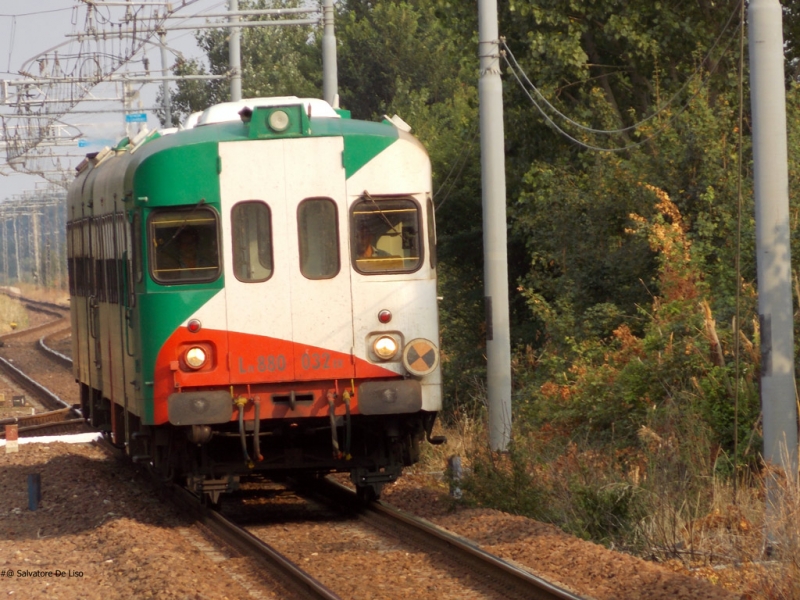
(270, 363)
(315, 361)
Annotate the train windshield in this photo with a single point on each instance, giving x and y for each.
(183, 245)
(385, 235)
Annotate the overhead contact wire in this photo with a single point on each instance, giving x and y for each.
(659, 110)
(666, 126)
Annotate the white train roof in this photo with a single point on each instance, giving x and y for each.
(229, 111)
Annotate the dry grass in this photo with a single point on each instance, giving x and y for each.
(43, 294)
(689, 521)
(12, 314)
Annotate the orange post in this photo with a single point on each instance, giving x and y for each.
(12, 435)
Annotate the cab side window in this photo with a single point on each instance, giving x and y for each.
(184, 245)
(385, 235)
(252, 241)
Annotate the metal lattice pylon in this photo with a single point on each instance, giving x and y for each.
(57, 80)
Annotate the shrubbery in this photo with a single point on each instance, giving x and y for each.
(619, 438)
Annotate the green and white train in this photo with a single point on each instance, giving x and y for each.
(256, 292)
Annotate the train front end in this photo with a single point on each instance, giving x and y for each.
(286, 312)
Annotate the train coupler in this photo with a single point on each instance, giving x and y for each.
(361, 476)
(369, 482)
(212, 488)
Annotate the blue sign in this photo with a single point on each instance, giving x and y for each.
(82, 143)
(136, 118)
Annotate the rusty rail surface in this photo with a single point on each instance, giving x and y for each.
(515, 581)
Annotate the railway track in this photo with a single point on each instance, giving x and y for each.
(486, 574)
(59, 320)
(296, 582)
(61, 416)
(387, 543)
(510, 580)
(477, 573)
(47, 423)
(46, 347)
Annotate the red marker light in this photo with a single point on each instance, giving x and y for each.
(193, 326)
(384, 316)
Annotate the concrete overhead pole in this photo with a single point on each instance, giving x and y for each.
(14, 219)
(235, 52)
(165, 100)
(5, 250)
(127, 107)
(37, 257)
(495, 253)
(773, 252)
(330, 81)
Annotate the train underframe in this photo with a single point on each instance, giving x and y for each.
(211, 459)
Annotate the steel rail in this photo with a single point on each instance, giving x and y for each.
(30, 330)
(459, 549)
(13, 294)
(60, 313)
(53, 427)
(28, 420)
(34, 387)
(30, 385)
(63, 360)
(288, 572)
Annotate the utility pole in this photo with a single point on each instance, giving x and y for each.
(773, 251)
(15, 217)
(165, 100)
(5, 251)
(495, 252)
(330, 81)
(37, 257)
(235, 52)
(61, 244)
(127, 107)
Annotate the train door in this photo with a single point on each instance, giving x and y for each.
(322, 307)
(287, 294)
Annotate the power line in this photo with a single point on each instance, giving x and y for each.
(41, 12)
(697, 72)
(631, 146)
(462, 159)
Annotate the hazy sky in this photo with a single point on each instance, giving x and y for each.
(27, 29)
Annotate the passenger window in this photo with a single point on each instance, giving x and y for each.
(183, 245)
(252, 241)
(319, 238)
(385, 235)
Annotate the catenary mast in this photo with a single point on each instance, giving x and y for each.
(495, 252)
(773, 251)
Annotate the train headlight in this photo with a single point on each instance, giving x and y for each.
(195, 357)
(279, 121)
(385, 347)
(420, 357)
